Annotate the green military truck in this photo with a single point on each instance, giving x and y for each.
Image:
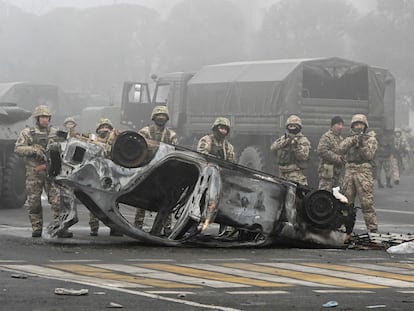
(12, 168)
(258, 97)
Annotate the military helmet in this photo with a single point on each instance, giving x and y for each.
(103, 121)
(160, 110)
(221, 121)
(293, 119)
(407, 129)
(41, 110)
(397, 130)
(359, 118)
(69, 119)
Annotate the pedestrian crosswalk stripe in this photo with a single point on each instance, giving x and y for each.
(62, 275)
(109, 274)
(258, 292)
(391, 269)
(307, 276)
(314, 268)
(206, 274)
(163, 275)
(403, 265)
(383, 274)
(257, 275)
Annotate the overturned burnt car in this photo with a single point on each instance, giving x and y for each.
(200, 192)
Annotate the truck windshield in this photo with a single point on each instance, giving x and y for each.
(161, 93)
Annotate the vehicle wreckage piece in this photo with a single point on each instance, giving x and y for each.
(198, 190)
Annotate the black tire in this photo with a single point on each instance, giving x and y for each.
(14, 182)
(252, 156)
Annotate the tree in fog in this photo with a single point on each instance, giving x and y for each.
(385, 38)
(199, 32)
(301, 29)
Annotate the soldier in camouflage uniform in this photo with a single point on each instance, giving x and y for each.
(292, 151)
(106, 134)
(383, 160)
(217, 145)
(359, 149)
(32, 144)
(401, 149)
(158, 132)
(331, 164)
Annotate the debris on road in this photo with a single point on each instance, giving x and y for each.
(114, 305)
(381, 241)
(330, 304)
(19, 276)
(71, 291)
(403, 248)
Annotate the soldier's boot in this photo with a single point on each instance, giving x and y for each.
(389, 182)
(396, 182)
(37, 233)
(380, 184)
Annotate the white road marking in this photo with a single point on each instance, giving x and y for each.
(73, 260)
(223, 259)
(84, 281)
(255, 275)
(11, 260)
(385, 268)
(66, 276)
(406, 291)
(149, 273)
(344, 275)
(394, 211)
(149, 260)
(258, 292)
(168, 292)
(342, 291)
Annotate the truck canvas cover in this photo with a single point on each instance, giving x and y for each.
(316, 89)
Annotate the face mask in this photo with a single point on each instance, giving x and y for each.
(294, 131)
(160, 121)
(103, 134)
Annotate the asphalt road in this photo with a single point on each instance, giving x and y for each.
(143, 277)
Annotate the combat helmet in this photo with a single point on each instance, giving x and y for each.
(359, 118)
(221, 121)
(69, 119)
(160, 110)
(41, 110)
(103, 121)
(294, 119)
(397, 130)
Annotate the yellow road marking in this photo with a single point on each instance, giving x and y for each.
(212, 275)
(306, 276)
(109, 274)
(383, 274)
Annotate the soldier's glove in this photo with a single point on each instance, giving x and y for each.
(40, 155)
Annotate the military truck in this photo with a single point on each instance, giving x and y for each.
(258, 97)
(12, 168)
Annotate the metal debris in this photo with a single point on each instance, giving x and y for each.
(19, 276)
(114, 305)
(71, 291)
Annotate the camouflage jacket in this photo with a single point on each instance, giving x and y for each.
(359, 149)
(32, 144)
(221, 149)
(327, 149)
(401, 145)
(292, 150)
(164, 135)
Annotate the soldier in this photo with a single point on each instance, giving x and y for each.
(292, 150)
(410, 141)
(217, 145)
(70, 125)
(32, 145)
(401, 149)
(359, 149)
(105, 135)
(383, 160)
(331, 163)
(158, 132)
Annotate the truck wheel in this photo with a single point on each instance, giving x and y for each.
(252, 157)
(14, 182)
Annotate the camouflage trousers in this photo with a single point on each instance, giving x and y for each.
(386, 165)
(140, 216)
(395, 169)
(358, 181)
(329, 183)
(93, 222)
(295, 176)
(36, 182)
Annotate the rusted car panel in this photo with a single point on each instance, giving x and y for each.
(200, 192)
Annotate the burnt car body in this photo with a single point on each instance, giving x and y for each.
(200, 191)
